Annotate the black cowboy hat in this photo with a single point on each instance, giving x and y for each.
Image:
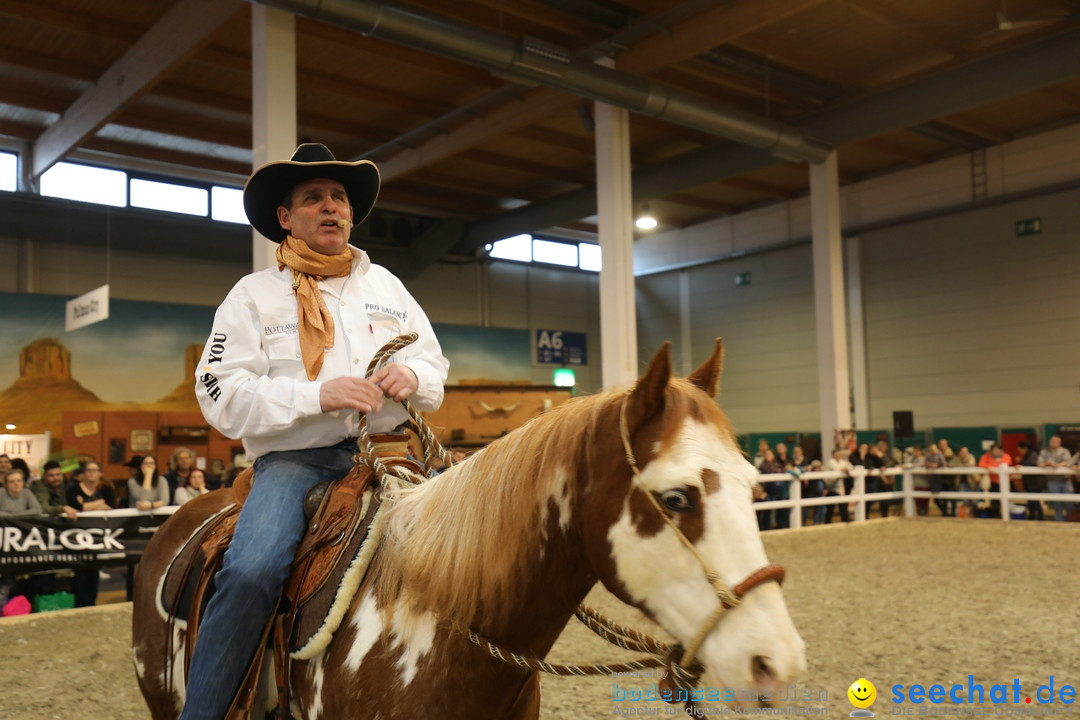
(268, 185)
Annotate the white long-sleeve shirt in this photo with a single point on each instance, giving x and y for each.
(251, 382)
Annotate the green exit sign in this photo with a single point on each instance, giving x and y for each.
(1030, 226)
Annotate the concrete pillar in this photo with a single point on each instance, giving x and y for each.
(860, 383)
(615, 208)
(686, 344)
(832, 351)
(273, 102)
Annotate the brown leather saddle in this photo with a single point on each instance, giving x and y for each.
(328, 569)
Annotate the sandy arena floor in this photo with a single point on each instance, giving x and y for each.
(897, 601)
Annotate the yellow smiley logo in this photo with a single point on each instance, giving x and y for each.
(862, 693)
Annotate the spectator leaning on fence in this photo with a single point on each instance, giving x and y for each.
(762, 446)
(834, 487)
(993, 458)
(15, 499)
(196, 486)
(968, 483)
(147, 490)
(50, 492)
(935, 460)
(769, 465)
(1027, 455)
(1056, 456)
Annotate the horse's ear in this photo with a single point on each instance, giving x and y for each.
(707, 377)
(647, 397)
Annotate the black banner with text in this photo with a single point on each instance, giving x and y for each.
(36, 543)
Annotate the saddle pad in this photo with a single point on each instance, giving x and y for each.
(321, 613)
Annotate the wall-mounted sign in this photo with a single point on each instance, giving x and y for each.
(1028, 226)
(559, 347)
(142, 440)
(34, 449)
(86, 429)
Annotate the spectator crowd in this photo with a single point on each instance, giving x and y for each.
(879, 458)
(83, 489)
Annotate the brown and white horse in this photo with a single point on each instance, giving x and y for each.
(510, 542)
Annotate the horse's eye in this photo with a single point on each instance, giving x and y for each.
(677, 500)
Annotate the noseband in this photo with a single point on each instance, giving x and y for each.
(729, 598)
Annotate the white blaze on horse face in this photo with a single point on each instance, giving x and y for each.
(661, 573)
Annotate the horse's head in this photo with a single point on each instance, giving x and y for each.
(684, 511)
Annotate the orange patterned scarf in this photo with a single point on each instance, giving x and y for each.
(316, 323)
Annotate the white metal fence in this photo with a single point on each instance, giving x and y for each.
(907, 492)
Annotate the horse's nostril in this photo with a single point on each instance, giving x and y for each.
(762, 671)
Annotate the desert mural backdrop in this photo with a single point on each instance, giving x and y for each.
(143, 357)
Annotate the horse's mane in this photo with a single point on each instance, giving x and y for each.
(455, 543)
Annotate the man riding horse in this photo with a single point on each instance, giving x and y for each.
(283, 369)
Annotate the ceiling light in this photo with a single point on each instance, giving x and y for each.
(645, 221)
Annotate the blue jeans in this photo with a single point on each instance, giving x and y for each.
(254, 569)
(1059, 484)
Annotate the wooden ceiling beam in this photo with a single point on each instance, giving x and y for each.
(974, 127)
(53, 102)
(401, 193)
(532, 167)
(577, 143)
(165, 155)
(759, 187)
(173, 39)
(710, 29)
(311, 79)
(20, 130)
(701, 203)
(909, 25)
(471, 186)
(914, 157)
(1063, 96)
(706, 31)
(39, 62)
(71, 20)
(383, 50)
(536, 14)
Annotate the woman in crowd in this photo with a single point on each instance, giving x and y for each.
(147, 490)
(769, 465)
(89, 493)
(196, 486)
(834, 488)
(14, 498)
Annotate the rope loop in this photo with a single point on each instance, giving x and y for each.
(433, 450)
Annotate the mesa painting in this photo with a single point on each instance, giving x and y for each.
(143, 357)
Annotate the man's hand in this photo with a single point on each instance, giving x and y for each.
(396, 382)
(349, 393)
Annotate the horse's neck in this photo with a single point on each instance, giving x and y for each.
(553, 583)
